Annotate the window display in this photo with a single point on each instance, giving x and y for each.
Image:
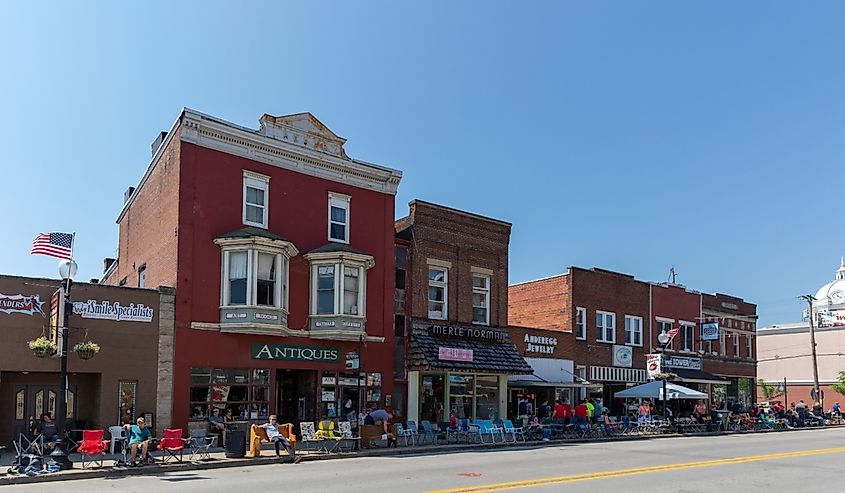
(245, 391)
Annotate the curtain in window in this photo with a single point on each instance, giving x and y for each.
(237, 278)
(266, 279)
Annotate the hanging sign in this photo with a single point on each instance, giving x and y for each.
(18, 303)
(710, 331)
(653, 364)
(454, 354)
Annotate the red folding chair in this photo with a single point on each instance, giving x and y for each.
(93, 448)
(172, 445)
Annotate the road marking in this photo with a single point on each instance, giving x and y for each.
(538, 482)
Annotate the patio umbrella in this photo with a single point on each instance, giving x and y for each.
(654, 390)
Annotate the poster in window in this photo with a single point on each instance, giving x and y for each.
(218, 393)
(328, 396)
(126, 402)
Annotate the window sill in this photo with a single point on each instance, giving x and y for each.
(633, 345)
(483, 324)
(337, 240)
(605, 342)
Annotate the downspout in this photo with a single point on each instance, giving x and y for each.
(650, 320)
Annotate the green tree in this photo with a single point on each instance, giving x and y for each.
(769, 391)
(839, 388)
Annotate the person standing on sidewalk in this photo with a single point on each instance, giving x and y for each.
(279, 440)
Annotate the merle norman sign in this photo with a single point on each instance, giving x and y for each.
(466, 332)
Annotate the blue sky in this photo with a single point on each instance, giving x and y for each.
(633, 136)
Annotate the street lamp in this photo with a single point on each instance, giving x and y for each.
(663, 338)
(67, 271)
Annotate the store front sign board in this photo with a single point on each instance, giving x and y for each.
(454, 354)
(284, 352)
(18, 303)
(683, 362)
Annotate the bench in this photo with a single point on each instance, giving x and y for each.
(257, 435)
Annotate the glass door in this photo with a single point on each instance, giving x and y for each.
(461, 395)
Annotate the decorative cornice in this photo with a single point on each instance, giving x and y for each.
(277, 246)
(366, 260)
(213, 133)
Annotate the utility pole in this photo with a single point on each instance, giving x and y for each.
(810, 299)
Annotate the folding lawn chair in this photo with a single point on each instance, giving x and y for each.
(93, 448)
(200, 444)
(172, 444)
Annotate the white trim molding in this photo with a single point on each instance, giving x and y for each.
(439, 263)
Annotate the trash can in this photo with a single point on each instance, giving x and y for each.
(235, 444)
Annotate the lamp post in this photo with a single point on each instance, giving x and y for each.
(663, 338)
(360, 398)
(782, 387)
(67, 271)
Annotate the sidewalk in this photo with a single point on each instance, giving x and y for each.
(219, 460)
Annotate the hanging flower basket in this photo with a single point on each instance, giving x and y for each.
(86, 350)
(42, 347)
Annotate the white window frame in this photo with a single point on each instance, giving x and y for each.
(581, 327)
(282, 274)
(483, 291)
(605, 328)
(339, 281)
(259, 182)
(736, 344)
(748, 343)
(629, 320)
(438, 284)
(142, 276)
(665, 323)
(341, 202)
(723, 339)
(687, 329)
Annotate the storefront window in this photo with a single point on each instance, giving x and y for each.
(461, 395)
(720, 394)
(487, 397)
(339, 396)
(432, 390)
(244, 391)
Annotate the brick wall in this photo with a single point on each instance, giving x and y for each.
(545, 303)
(465, 240)
(149, 228)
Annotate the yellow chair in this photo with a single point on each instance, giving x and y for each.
(258, 434)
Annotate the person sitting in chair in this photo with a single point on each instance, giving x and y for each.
(279, 440)
(47, 429)
(381, 416)
(139, 437)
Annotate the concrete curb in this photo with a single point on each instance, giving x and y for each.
(119, 472)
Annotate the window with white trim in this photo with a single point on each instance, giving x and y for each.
(338, 287)
(633, 330)
(438, 290)
(255, 199)
(736, 345)
(748, 342)
(605, 326)
(339, 218)
(580, 323)
(687, 334)
(663, 326)
(254, 277)
(723, 343)
(480, 299)
(142, 276)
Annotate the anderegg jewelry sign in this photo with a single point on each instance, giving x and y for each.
(107, 310)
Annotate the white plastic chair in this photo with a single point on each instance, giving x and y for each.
(116, 433)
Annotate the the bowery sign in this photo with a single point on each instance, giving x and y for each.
(107, 310)
(282, 352)
(18, 303)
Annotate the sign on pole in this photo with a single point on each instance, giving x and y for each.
(653, 364)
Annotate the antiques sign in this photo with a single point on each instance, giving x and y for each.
(283, 352)
(18, 303)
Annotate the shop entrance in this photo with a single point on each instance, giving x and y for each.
(31, 401)
(296, 396)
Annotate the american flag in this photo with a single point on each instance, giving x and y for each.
(673, 332)
(58, 245)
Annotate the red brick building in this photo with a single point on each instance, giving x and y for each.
(282, 251)
(609, 322)
(454, 313)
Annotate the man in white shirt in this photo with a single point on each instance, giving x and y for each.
(272, 429)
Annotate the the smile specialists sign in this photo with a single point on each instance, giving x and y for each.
(283, 352)
(107, 310)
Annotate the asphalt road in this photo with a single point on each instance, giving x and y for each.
(736, 463)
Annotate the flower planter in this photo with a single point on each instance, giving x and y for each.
(43, 352)
(86, 354)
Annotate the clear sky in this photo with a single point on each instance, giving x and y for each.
(632, 136)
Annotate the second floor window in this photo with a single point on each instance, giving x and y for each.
(255, 199)
(438, 287)
(142, 276)
(254, 277)
(338, 288)
(665, 327)
(339, 218)
(736, 345)
(687, 333)
(605, 327)
(480, 299)
(749, 341)
(633, 331)
(580, 323)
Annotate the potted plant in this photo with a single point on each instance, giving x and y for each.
(86, 349)
(42, 347)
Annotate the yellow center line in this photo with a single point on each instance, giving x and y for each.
(530, 483)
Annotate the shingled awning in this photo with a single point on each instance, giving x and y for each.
(487, 356)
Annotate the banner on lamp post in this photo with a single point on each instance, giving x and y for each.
(653, 364)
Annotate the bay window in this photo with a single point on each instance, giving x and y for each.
(338, 285)
(254, 277)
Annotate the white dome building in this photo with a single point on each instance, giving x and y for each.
(784, 353)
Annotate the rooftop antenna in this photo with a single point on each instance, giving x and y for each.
(672, 275)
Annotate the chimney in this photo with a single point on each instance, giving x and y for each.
(127, 194)
(157, 142)
(107, 263)
(94, 280)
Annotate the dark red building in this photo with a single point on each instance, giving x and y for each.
(282, 249)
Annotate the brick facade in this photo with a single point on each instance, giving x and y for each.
(543, 303)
